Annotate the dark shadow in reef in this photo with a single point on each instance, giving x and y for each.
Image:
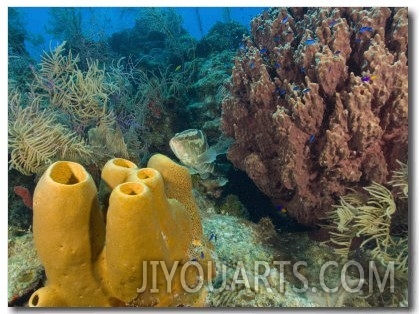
(258, 204)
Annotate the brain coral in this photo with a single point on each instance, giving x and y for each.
(319, 103)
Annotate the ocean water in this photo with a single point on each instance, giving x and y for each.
(197, 21)
(260, 152)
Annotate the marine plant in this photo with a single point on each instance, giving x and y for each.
(36, 138)
(363, 215)
(69, 24)
(16, 32)
(368, 216)
(169, 23)
(51, 120)
(82, 95)
(221, 37)
(65, 23)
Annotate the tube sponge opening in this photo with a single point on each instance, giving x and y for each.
(123, 163)
(131, 188)
(146, 173)
(68, 173)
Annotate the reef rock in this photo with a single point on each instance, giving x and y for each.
(319, 103)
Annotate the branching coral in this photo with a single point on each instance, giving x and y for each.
(63, 104)
(36, 139)
(167, 22)
(366, 216)
(107, 142)
(369, 217)
(82, 95)
(400, 179)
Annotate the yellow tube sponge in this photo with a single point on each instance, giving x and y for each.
(69, 234)
(141, 256)
(178, 185)
(132, 236)
(116, 171)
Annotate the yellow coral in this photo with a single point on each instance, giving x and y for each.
(90, 263)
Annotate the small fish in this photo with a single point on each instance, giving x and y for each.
(252, 65)
(332, 23)
(310, 42)
(277, 65)
(263, 51)
(202, 255)
(194, 260)
(366, 78)
(337, 52)
(366, 29)
(280, 91)
(296, 88)
(373, 77)
(178, 68)
(212, 236)
(49, 84)
(279, 207)
(284, 20)
(302, 69)
(358, 40)
(306, 90)
(311, 139)
(283, 210)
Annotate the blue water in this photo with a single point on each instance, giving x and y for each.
(106, 21)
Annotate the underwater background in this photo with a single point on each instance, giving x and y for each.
(292, 122)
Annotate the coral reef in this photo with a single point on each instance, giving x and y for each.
(157, 38)
(316, 102)
(207, 92)
(36, 139)
(236, 242)
(223, 36)
(24, 267)
(232, 206)
(51, 117)
(151, 216)
(367, 218)
(319, 103)
(240, 242)
(83, 95)
(68, 24)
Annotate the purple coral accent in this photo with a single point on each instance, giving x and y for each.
(127, 120)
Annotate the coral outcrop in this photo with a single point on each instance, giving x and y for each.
(319, 103)
(150, 250)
